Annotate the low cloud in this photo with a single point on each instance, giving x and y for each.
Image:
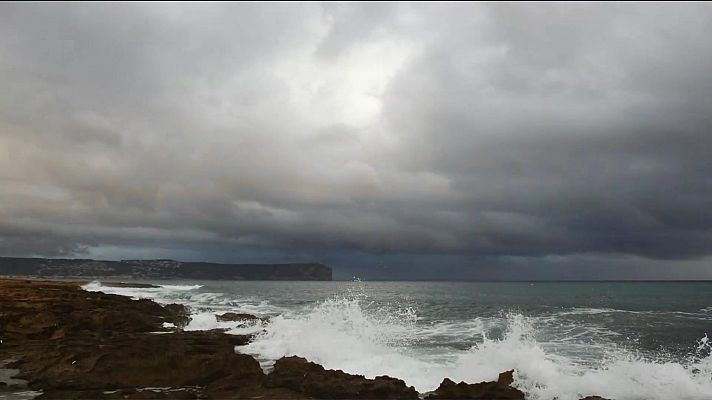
(468, 135)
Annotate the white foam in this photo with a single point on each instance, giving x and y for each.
(202, 322)
(207, 320)
(162, 294)
(593, 311)
(543, 375)
(342, 334)
(93, 286)
(181, 287)
(19, 395)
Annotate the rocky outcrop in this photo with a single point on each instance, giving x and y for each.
(231, 316)
(71, 344)
(147, 360)
(35, 310)
(499, 390)
(304, 377)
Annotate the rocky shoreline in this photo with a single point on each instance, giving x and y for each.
(66, 343)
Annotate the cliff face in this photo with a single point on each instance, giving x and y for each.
(160, 269)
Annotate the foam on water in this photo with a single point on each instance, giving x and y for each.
(355, 335)
(620, 375)
(341, 334)
(161, 293)
(181, 287)
(594, 311)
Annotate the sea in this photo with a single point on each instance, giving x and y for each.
(565, 340)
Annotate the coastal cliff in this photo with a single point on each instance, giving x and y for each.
(160, 269)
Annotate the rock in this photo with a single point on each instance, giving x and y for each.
(499, 390)
(58, 334)
(231, 316)
(70, 343)
(240, 340)
(594, 398)
(148, 360)
(307, 378)
(179, 314)
(36, 310)
(130, 393)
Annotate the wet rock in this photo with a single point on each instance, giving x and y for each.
(35, 310)
(240, 340)
(231, 316)
(179, 314)
(307, 378)
(499, 390)
(130, 393)
(58, 334)
(149, 360)
(8, 378)
(70, 343)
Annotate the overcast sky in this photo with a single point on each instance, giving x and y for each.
(403, 140)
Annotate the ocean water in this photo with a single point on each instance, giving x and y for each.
(620, 340)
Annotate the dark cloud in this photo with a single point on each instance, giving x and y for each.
(469, 139)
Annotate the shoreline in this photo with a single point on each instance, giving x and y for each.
(59, 341)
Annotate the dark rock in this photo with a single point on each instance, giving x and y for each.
(301, 376)
(70, 343)
(148, 360)
(130, 393)
(36, 310)
(179, 314)
(240, 340)
(594, 398)
(499, 390)
(231, 316)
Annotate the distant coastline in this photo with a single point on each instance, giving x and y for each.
(160, 269)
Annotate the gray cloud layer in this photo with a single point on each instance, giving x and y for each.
(358, 133)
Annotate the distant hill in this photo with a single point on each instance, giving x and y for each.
(160, 269)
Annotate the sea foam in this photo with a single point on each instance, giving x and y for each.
(355, 335)
(342, 334)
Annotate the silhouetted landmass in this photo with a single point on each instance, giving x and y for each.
(160, 269)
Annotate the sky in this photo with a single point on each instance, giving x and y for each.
(388, 140)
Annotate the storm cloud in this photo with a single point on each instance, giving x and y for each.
(467, 138)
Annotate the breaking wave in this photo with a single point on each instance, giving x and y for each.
(160, 293)
(345, 334)
(358, 336)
